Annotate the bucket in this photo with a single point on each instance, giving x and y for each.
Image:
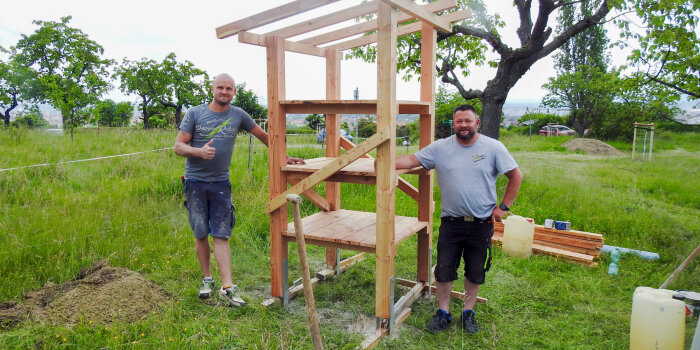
(658, 320)
(517, 236)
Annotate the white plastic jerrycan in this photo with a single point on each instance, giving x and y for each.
(658, 320)
(518, 233)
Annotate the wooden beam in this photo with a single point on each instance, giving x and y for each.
(386, 157)
(277, 158)
(311, 195)
(326, 20)
(419, 12)
(373, 339)
(333, 58)
(403, 30)
(269, 16)
(409, 297)
(260, 40)
(372, 25)
(330, 169)
(348, 145)
(453, 294)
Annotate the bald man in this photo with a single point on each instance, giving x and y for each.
(206, 138)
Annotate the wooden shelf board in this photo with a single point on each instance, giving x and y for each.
(350, 106)
(360, 167)
(354, 230)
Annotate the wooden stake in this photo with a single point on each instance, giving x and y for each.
(681, 267)
(305, 274)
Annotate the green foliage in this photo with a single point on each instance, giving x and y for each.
(180, 85)
(249, 102)
(30, 117)
(137, 78)
(314, 120)
(366, 127)
(17, 84)
(669, 47)
(110, 113)
(71, 72)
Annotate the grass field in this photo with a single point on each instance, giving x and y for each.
(57, 219)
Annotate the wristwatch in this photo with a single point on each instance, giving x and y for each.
(503, 207)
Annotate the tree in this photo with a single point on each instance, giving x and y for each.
(248, 101)
(366, 127)
(468, 41)
(669, 48)
(71, 72)
(587, 92)
(314, 120)
(138, 78)
(110, 113)
(30, 117)
(582, 85)
(15, 86)
(180, 85)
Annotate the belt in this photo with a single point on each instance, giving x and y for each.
(467, 219)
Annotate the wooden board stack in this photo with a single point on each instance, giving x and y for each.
(579, 246)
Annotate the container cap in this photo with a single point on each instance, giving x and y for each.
(679, 296)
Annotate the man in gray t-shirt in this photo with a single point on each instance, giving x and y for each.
(467, 165)
(206, 138)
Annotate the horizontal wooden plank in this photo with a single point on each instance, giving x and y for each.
(363, 167)
(421, 13)
(326, 20)
(330, 169)
(260, 40)
(350, 229)
(350, 107)
(269, 16)
(371, 25)
(401, 30)
(542, 249)
(433, 289)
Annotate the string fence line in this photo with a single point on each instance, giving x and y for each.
(84, 160)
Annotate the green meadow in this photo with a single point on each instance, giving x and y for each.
(57, 219)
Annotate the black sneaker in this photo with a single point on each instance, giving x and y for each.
(469, 322)
(440, 322)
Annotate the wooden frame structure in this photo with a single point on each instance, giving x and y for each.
(645, 126)
(335, 228)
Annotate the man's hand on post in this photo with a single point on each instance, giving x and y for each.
(208, 152)
(293, 160)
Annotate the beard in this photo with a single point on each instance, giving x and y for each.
(466, 137)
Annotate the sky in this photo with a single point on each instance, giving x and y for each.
(153, 29)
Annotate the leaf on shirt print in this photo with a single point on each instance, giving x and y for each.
(217, 129)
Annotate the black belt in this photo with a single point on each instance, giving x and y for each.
(467, 219)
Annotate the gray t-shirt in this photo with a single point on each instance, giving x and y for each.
(204, 124)
(466, 175)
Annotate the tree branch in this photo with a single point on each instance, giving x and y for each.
(673, 86)
(525, 29)
(493, 40)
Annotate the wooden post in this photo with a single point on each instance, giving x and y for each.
(305, 274)
(386, 153)
(332, 136)
(651, 141)
(680, 268)
(634, 139)
(277, 159)
(427, 134)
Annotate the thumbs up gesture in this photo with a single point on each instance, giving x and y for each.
(207, 151)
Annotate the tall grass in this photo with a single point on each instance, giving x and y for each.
(57, 219)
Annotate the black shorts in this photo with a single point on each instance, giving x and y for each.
(468, 240)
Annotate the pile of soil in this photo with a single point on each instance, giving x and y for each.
(591, 146)
(100, 293)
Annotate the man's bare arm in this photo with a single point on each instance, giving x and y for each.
(183, 149)
(407, 162)
(261, 135)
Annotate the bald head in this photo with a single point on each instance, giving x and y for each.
(223, 77)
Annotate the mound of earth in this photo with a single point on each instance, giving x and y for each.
(100, 293)
(591, 146)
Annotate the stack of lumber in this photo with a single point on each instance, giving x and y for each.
(579, 246)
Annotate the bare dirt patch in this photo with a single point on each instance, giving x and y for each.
(591, 146)
(100, 293)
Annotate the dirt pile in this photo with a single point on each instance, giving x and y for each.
(591, 146)
(100, 293)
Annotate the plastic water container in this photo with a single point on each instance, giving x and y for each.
(658, 320)
(518, 233)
